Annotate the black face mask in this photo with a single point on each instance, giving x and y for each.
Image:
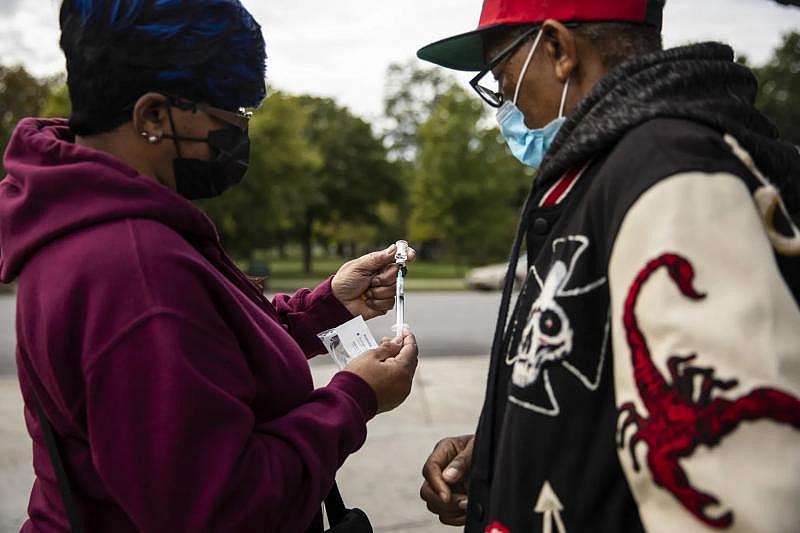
(197, 178)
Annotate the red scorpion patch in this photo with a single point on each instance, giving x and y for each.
(677, 424)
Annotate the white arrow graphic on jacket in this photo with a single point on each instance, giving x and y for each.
(550, 507)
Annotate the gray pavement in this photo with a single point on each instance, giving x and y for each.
(16, 472)
(7, 335)
(383, 478)
(446, 324)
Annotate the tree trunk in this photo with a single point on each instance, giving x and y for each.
(307, 234)
(282, 247)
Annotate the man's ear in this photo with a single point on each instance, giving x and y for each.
(561, 48)
(150, 115)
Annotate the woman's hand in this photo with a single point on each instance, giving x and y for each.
(366, 285)
(388, 369)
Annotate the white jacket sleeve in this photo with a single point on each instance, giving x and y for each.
(706, 341)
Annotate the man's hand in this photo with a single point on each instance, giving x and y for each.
(366, 285)
(446, 472)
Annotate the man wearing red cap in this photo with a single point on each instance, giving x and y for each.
(649, 374)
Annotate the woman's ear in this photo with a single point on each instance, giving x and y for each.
(150, 116)
(561, 49)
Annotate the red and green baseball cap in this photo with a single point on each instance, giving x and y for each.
(465, 51)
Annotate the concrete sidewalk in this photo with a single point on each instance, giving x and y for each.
(383, 478)
(16, 472)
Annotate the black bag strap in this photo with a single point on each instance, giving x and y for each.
(61, 475)
(342, 519)
(334, 506)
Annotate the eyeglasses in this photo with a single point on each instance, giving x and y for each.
(239, 119)
(494, 97)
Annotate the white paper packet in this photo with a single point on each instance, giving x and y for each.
(347, 341)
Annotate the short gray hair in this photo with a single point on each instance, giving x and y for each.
(616, 42)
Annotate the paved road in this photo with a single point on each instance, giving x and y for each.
(446, 323)
(445, 401)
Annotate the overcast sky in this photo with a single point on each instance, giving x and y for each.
(341, 48)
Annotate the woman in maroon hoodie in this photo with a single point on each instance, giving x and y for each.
(182, 397)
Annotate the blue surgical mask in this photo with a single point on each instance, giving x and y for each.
(528, 145)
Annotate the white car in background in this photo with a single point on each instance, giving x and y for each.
(491, 277)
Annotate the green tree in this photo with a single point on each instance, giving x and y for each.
(317, 173)
(410, 95)
(355, 179)
(468, 189)
(21, 95)
(779, 88)
(266, 207)
(411, 92)
(57, 103)
(258, 212)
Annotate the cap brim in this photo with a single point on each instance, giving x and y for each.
(460, 52)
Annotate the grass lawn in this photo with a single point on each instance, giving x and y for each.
(293, 269)
(286, 275)
(429, 284)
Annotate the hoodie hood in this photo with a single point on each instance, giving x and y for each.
(698, 82)
(55, 187)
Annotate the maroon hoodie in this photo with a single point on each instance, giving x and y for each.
(182, 396)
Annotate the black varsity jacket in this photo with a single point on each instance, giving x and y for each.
(648, 377)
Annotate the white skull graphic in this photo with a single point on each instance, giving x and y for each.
(547, 338)
(548, 334)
